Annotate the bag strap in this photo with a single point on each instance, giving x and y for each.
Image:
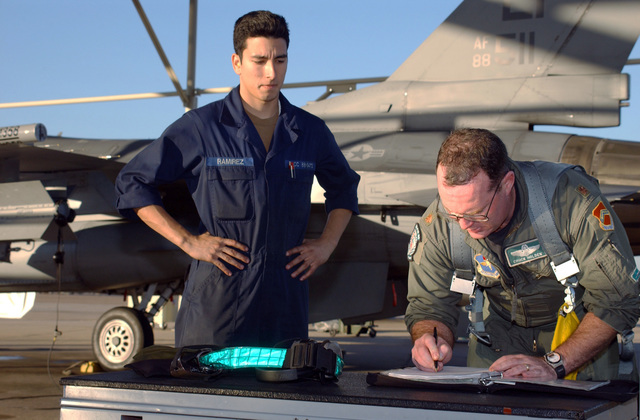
(303, 359)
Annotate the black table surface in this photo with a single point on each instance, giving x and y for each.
(352, 388)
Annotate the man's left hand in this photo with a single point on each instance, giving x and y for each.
(521, 366)
(311, 255)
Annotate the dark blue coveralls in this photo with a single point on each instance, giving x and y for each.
(243, 192)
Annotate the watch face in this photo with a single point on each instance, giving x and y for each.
(553, 357)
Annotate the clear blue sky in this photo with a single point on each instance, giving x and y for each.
(72, 48)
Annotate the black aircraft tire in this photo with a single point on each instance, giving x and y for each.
(120, 334)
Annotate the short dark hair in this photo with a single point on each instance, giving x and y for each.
(467, 151)
(259, 23)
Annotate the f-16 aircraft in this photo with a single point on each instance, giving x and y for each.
(504, 65)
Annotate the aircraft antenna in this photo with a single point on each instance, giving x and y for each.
(192, 99)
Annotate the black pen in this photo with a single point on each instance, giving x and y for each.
(435, 336)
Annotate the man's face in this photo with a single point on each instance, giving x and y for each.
(261, 68)
(479, 198)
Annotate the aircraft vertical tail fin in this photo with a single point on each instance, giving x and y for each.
(488, 39)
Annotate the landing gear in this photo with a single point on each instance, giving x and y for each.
(122, 332)
(368, 327)
(118, 335)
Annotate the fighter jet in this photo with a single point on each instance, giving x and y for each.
(507, 66)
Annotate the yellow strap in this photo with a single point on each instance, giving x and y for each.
(566, 325)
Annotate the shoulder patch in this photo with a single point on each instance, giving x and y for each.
(603, 215)
(485, 268)
(416, 237)
(583, 191)
(635, 276)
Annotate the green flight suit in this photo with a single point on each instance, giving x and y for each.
(522, 295)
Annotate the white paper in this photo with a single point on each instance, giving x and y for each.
(462, 374)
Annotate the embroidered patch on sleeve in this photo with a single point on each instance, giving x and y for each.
(604, 216)
(413, 242)
(635, 276)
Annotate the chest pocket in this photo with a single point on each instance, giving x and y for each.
(299, 188)
(298, 178)
(231, 189)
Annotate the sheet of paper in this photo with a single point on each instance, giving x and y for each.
(447, 374)
(462, 374)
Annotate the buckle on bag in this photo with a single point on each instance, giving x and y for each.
(186, 363)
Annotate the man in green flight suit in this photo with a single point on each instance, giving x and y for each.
(484, 191)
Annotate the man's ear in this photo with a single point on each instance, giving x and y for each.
(236, 62)
(509, 180)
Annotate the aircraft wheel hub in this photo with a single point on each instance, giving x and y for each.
(120, 334)
(116, 341)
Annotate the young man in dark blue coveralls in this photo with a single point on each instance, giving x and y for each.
(249, 162)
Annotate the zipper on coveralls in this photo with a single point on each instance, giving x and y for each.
(514, 303)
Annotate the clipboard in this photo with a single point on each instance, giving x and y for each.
(477, 380)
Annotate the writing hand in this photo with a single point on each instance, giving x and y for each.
(430, 356)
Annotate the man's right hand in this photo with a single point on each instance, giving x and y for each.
(217, 251)
(205, 247)
(426, 351)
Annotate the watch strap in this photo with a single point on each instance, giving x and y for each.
(557, 366)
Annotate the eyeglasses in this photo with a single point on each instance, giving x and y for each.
(474, 217)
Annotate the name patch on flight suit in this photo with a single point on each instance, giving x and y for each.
(229, 161)
(604, 216)
(524, 252)
(485, 268)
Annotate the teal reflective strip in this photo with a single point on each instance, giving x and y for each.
(241, 357)
(339, 366)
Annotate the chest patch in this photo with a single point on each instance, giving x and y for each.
(485, 268)
(524, 252)
(229, 161)
(300, 164)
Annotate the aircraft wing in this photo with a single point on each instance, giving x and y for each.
(421, 198)
(26, 210)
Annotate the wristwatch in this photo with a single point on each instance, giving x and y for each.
(554, 360)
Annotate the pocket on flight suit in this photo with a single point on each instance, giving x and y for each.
(203, 276)
(231, 189)
(619, 270)
(298, 204)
